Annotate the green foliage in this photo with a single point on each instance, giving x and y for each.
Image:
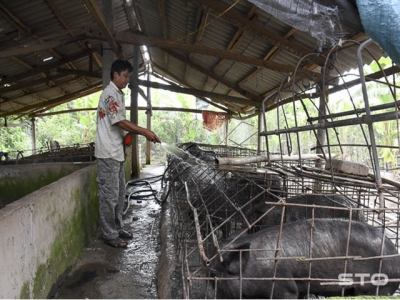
(16, 137)
(174, 127)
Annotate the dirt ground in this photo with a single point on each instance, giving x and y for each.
(111, 273)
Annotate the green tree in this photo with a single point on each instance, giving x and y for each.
(86, 123)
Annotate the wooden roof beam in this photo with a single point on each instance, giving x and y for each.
(256, 27)
(21, 24)
(30, 83)
(202, 93)
(235, 43)
(37, 70)
(212, 75)
(137, 39)
(65, 24)
(186, 84)
(54, 102)
(231, 106)
(101, 22)
(269, 56)
(27, 49)
(132, 24)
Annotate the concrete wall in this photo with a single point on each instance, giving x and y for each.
(17, 181)
(44, 233)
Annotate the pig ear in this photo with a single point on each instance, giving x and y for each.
(232, 260)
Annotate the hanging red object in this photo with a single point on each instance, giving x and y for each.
(213, 120)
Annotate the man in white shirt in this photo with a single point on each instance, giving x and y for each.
(109, 151)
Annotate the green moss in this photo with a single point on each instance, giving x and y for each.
(72, 237)
(24, 291)
(14, 188)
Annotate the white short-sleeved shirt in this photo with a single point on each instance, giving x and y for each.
(109, 136)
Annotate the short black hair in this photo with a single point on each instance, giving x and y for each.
(119, 66)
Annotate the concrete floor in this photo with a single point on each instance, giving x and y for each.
(110, 273)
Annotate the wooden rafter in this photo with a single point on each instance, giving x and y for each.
(230, 105)
(44, 105)
(201, 93)
(270, 56)
(37, 70)
(172, 83)
(163, 17)
(65, 24)
(101, 22)
(137, 39)
(256, 27)
(235, 43)
(217, 101)
(128, 13)
(30, 83)
(212, 75)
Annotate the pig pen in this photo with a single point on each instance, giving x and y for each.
(322, 166)
(212, 205)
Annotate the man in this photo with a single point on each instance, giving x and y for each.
(109, 151)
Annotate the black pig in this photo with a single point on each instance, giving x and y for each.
(329, 239)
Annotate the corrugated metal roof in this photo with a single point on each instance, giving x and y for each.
(225, 48)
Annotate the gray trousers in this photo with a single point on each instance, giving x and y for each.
(111, 184)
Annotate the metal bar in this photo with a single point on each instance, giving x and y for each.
(281, 279)
(366, 119)
(265, 121)
(370, 126)
(394, 104)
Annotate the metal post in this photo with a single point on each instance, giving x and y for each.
(378, 178)
(260, 124)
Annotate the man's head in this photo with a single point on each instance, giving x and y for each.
(120, 72)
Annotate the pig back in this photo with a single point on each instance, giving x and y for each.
(327, 239)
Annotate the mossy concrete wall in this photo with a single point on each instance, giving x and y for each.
(17, 181)
(44, 233)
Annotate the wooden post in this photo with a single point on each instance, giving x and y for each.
(148, 115)
(134, 115)
(226, 132)
(34, 135)
(107, 53)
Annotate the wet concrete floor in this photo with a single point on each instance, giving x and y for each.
(104, 272)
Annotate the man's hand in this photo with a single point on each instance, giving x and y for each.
(151, 136)
(133, 128)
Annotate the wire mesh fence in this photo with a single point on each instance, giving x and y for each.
(219, 208)
(287, 223)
